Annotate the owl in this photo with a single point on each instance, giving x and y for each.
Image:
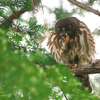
(71, 42)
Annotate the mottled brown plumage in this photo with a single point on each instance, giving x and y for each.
(80, 48)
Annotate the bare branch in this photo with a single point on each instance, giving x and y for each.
(81, 5)
(87, 69)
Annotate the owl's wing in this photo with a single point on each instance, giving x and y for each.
(56, 47)
(87, 44)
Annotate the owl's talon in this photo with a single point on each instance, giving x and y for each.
(73, 65)
(66, 39)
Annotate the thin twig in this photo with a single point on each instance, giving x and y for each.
(65, 95)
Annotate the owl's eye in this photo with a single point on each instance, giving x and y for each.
(59, 29)
(69, 26)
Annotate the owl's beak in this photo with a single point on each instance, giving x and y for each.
(63, 30)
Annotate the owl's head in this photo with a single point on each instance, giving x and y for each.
(67, 25)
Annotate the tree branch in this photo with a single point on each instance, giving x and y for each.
(12, 17)
(18, 13)
(87, 69)
(81, 5)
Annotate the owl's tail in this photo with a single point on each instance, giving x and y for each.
(85, 81)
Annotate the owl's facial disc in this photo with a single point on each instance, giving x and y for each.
(62, 31)
(67, 25)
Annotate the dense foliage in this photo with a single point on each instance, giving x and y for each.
(27, 71)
